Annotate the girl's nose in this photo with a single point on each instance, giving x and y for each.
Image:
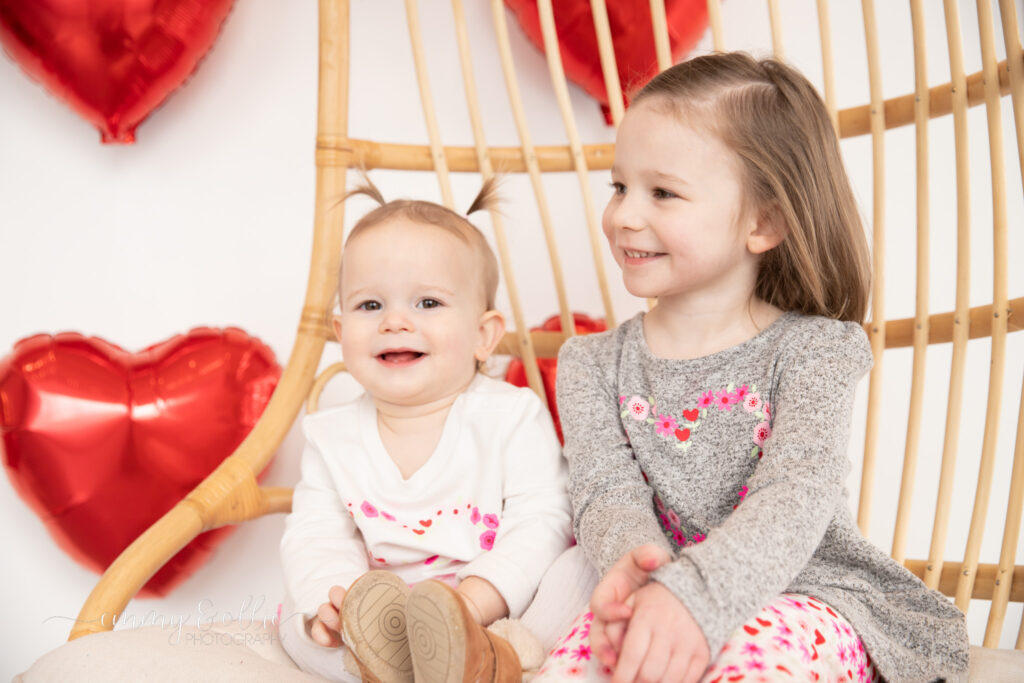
(625, 215)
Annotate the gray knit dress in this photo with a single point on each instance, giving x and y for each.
(736, 462)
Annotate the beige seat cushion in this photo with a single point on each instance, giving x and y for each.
(232, 653)
(996, 666)
(247, 653)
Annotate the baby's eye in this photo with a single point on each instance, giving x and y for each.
(618, 188)
(428, 303)
(369, 306)
(661, 193)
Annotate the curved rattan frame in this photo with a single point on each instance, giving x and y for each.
(231, 493)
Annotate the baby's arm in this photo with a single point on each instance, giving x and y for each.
(534, 525)
(321, 550)
(612, 504)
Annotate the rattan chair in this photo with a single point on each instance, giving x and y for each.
(231, 494)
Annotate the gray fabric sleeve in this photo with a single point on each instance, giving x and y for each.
(612, 505)
(792, 494)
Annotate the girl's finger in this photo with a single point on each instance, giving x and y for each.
(611, 611)
(615, 631)
(678, 667)
(599, 644)
(631, 656)
(695, 668)
(655, 662)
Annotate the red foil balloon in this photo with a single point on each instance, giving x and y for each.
(112, 61)
(516, 373)
(101, 442)
(632, 38)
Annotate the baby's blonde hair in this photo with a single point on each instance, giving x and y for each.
(429, 213)
(771, 116)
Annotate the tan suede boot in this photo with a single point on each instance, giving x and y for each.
(448, 646)
(373, 627)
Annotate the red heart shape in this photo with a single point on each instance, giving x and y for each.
(630, 22)
(427, 522)
(818, 638)
(101, 442)
(682, 434)
(112, 61)
(516, 373)
(691, 415)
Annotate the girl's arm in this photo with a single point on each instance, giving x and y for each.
(534, 528)
(794, 494)
(612, 504)
(321, 546)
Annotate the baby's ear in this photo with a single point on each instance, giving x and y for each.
(336, 326)
(769, 231)
(492, 329)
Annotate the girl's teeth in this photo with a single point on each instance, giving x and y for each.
(639, 254)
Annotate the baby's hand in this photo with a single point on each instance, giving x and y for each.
(662, 641)
(610, 601)
(325, 628)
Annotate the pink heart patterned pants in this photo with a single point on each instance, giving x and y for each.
(796, 637)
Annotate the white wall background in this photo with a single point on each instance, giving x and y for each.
(207, 219)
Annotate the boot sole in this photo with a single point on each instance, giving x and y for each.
(373, 623)
(437, 635)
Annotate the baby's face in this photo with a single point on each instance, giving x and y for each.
(411, 307)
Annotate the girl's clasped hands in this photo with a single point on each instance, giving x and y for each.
(641, 630)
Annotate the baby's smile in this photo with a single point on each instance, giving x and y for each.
(400, 356)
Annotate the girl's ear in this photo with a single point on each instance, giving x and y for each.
(769, 231)
(492, 328)
(336, 326)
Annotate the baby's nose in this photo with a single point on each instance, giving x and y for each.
(395, 321)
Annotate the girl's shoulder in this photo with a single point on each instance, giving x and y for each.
(600, 347)
(812, 340)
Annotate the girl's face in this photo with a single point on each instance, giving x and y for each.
(675, 222)
(412, 321)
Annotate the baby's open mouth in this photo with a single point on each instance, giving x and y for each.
(401, 356)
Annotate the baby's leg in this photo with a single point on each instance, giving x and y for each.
(563, 594)
(795, 637)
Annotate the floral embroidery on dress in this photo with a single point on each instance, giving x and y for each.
(681, 427)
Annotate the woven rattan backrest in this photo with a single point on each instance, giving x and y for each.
(941, 425)
(908, 491)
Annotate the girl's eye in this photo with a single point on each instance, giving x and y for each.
(428, 303)
(618, 188)
(369, 306)
(660, 193)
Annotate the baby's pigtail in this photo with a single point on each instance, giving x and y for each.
(366, 188)
(487, 198)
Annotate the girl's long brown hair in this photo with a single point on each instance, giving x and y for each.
(774, 120)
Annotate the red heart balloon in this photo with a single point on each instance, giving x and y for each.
(112, 61)
(516, 373)
(632, 38)
(101, 442)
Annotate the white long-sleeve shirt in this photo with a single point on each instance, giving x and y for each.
(490, 502)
